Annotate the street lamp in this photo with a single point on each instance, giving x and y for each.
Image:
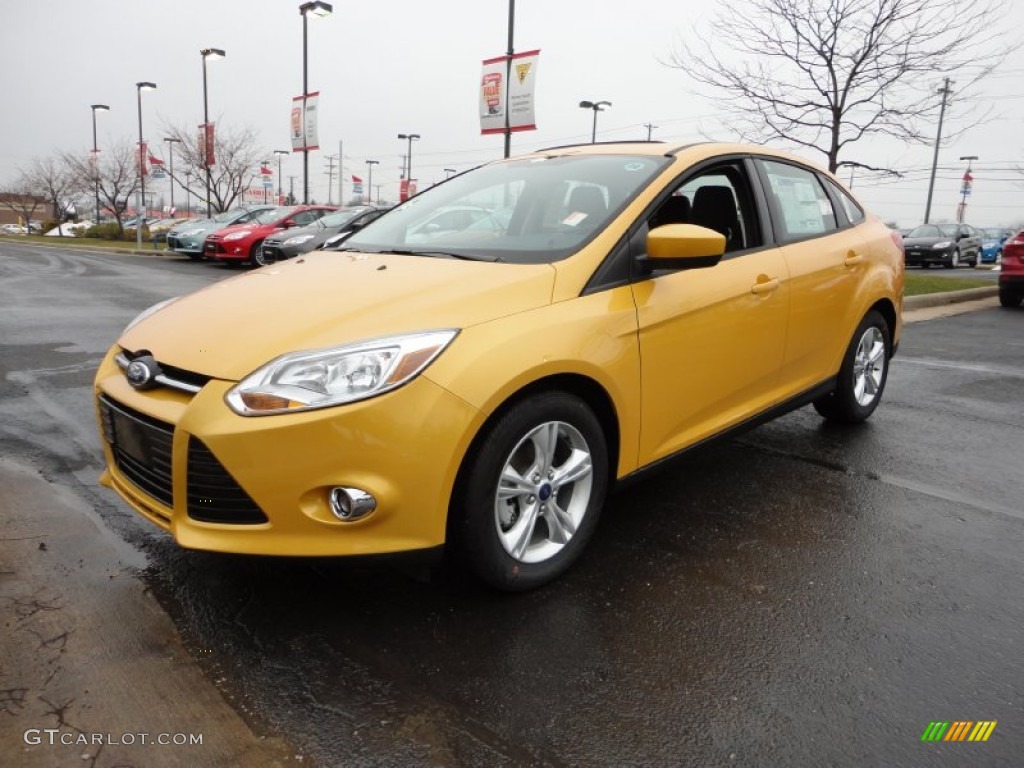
(965, 188)
(597, 107)
(369, 179)
(408, 158)
(280, 153)
(141, 217)
(208, 53)
(320, 9)
(96, 155)
(170, 153)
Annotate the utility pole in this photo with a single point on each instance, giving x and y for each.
(649, 128)
(330, 178)
(291, 190)
(945, 91)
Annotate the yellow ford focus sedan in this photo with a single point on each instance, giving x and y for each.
(482, 384)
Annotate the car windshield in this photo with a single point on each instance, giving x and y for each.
(533, 210)
(275, 214)
(933, 230)
(231, 215)
(341, 218)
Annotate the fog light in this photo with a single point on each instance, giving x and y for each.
(350, 504)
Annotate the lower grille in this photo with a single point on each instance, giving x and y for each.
(213, 495)
(142, 448)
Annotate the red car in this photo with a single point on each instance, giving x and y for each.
(1011, 272)
(243, 243)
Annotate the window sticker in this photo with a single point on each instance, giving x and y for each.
(574, 219)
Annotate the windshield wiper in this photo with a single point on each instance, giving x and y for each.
(440, 254)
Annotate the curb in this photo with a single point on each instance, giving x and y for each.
(948, 297)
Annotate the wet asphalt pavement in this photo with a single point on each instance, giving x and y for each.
(804, 595)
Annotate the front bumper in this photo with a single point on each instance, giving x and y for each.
(918, 257)
(190, 245)
(403, 447)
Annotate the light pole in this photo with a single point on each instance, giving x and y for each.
(170, 153)
(96, 156)
(369, 179)
(207, 137)
(280, 153)
(410, 137)
(597, 107)
(317, 8)
(141, 213)
(965, 188)
(448, 172)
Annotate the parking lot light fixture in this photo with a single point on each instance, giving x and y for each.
(597, 106)
(319, 9)
(213, 54)
(96, 155)
(140, 217)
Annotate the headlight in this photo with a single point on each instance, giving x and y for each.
(298, 239)
(147, 312)
(943, 244)
(237, 235)
(317, 379)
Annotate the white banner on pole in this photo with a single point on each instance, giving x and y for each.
(303, 122)
(518, 93)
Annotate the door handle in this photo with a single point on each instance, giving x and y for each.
(761, 287)
(853, 259)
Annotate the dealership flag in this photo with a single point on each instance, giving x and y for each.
(357, 185)
(303, 122)
(519, 95)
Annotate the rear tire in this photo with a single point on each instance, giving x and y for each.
(530, 492)
(862, 375)
(1009, 299)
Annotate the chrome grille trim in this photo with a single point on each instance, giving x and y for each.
(162, 378)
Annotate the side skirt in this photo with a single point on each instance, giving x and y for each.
(799, 401)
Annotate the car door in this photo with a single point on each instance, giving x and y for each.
(711, 340)
(826, 263)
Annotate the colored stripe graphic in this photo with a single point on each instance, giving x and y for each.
(958, 730)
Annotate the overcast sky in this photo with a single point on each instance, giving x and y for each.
(408, 66)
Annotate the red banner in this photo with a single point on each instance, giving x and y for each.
(140, 159)
(206, 144)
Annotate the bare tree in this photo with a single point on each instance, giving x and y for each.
(237, 158)
(22, 198)
(57, 182)
(115, 173)
(823, 74)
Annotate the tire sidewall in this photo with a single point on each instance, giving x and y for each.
(853, 410)
(257, 255)
(474, 531)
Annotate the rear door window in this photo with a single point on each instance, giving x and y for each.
(801, 203)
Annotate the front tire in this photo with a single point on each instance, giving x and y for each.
(954, 260)
(530, 492)
(258, 258)
(862, 375)
(1009, 299)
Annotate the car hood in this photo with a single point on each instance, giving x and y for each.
(328, 299)
(222, 231)
(919, 242)
(185, 226)
(280, 237)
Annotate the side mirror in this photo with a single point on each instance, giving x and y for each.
(684, 246)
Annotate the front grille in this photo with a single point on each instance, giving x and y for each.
(213, 495)
(142, 448)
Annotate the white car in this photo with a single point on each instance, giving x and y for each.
(13, 229)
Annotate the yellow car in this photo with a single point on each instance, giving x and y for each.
(483, 387)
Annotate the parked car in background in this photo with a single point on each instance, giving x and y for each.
(292, 242)
(158, 229)
(946, 245)
(188, 237)
(992, 239)
(13, 229)
(243, 243)
(1011, 271)
(640, 299)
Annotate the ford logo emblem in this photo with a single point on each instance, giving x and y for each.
(142, 372)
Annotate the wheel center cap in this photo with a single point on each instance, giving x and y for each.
(544, 492)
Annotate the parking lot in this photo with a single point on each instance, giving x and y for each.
(803, 595)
